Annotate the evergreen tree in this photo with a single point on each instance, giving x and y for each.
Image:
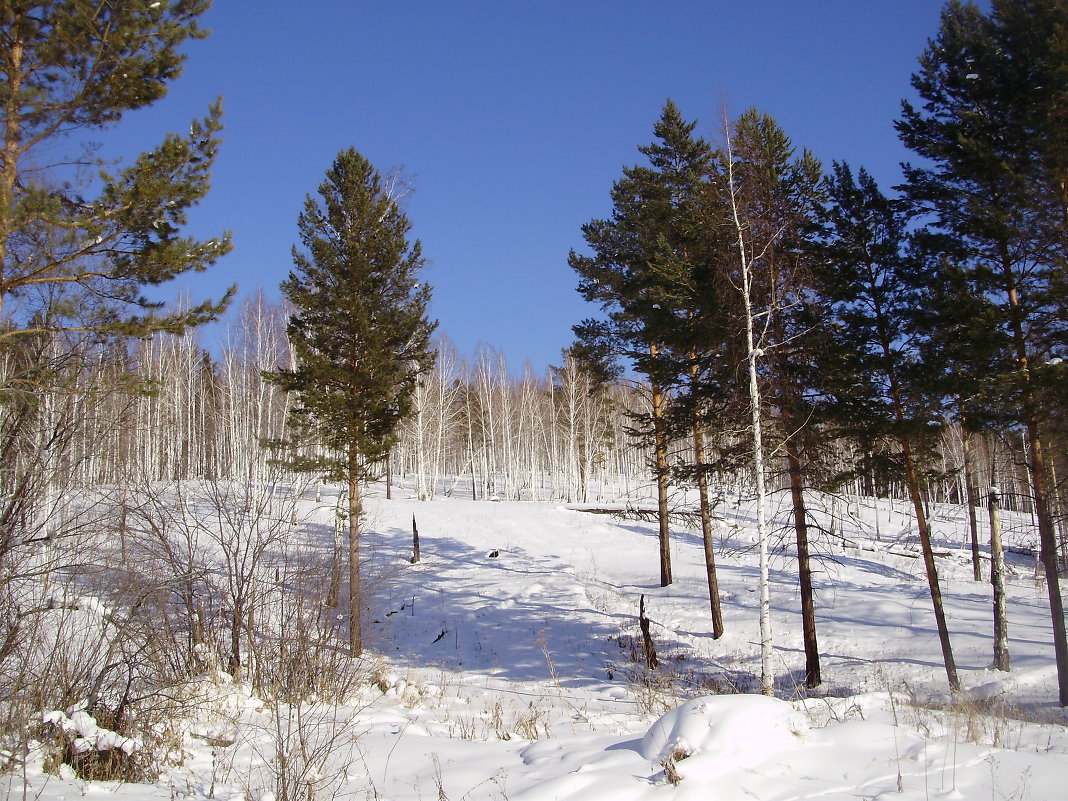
(871, 374)
(360, 335)
(622, 279)
(81, 244)
(992, 192)
(961, 346)
(77, 255)
(692, 318)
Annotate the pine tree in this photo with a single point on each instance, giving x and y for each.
(873, 379)
(683, 262)
(77, 255)
(992, 192)
(82, 244)
(360, 335)
(625, 276)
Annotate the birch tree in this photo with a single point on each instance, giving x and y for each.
(772, 196)
(746, 253)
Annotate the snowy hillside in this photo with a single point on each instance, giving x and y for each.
(507, 664)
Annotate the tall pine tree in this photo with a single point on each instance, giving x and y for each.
(690, 318)
(621, 276)
(877, 391)
(771, 197)
(991, 190)
(80, 244)
(360, 334)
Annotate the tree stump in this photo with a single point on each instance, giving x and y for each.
(651, 661)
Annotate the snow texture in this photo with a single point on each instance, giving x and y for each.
(515, 677)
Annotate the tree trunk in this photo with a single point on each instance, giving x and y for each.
(355, 630)
(912, 485)
(333, 592)
(234, 665)
(997, 578)
(928, 558)
(706, 519)
(1048, 556)
(804, 565)
(415, 541)
(9, 171)
(1036, 467)
(753, 354)
(1057, 510)
(660, 449)
(648, 648)
(969, 487)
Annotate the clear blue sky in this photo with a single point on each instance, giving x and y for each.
(515, 119)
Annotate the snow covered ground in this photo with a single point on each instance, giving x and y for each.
(506, 664)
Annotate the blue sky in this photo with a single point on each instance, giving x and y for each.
(514, 119)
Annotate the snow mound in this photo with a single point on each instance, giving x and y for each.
(1012, 684)
(740, 730)
(86, 735)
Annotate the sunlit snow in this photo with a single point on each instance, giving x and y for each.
(519, 675)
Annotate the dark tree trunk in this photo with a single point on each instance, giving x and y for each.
(233, 667)
(648, 649)
(1047, 538)
(706, 512)
(969, 486)
(913, 483)
(1036, 466)
(804, 566)
(355, 629)
(660, 452)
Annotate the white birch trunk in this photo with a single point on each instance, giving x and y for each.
(767, 678)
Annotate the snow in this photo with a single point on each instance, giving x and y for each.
(519, 676)
(87, 735)
(738, 730)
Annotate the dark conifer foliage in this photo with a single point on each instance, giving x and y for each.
(690, 319)
(80, 242)
(880, 392)
(83, 243)
(650, 236)
(992, 194)
(642, 256)
(873, 286)
(360, 333)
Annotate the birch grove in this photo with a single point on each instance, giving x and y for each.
(169, 409)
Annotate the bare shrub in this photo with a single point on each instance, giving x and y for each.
(298, 654)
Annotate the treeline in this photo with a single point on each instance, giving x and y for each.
(170, 409)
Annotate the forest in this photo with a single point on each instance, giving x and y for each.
(767, 334)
